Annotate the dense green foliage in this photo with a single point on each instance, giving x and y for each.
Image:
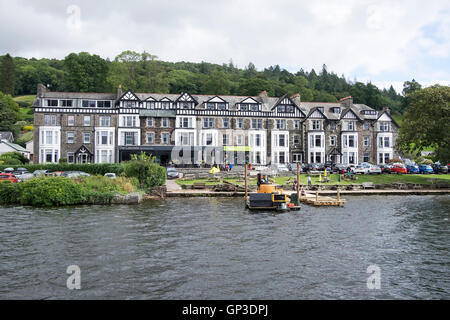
(59, 191)
(95, 169)
(143, 72)
(13, 158)
(427, 122)
(7, 74)
(144, 168)
(9, 113)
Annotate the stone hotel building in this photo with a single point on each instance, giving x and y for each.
(109, 127)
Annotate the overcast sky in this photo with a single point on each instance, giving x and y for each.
(386, 42)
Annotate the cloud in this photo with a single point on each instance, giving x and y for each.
(380, 41)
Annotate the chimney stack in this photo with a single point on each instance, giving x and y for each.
(41, 89)
(297, 99)
(119, 91)
(263, 95)
(388, 111)
(347, 101)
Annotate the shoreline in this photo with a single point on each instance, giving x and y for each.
(207, 193)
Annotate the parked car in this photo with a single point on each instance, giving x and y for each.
(172, 173)
(110, 175)
(8, 170)
(8, 177)
(293, 167)
(280, 167)
(74, 174)
(40, 173)
(311, 167)
(399, 169)
(351, 168)
(25, 176)
(373, 169)
(412, 169)
(385, 168)
(54, 173)
(438, 168)
(339, 167)
(359, 169)
(425, 168)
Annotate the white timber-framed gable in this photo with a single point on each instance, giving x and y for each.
(186, 101)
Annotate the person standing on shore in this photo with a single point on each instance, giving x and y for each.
(309, 181)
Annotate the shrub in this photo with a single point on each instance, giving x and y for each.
(94, 169)
(60, 191)
(144, 168)
(28, 128)
(13, 158)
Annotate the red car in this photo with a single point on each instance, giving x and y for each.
(399, 168)
(8, 177)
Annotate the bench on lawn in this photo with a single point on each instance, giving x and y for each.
(368, 185)
(199, 185)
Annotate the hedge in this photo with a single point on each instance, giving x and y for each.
(95, 169)
(60, 191)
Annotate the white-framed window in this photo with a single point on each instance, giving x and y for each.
(150, 136)
(296, 124)
(165, 138)
(240, 140)
(165, 122)
(70, 120)
(86, 137)
(366, 157)
(86, 121)
(316, 124)
(104, 137)
(366, 125)
(186, 139)
(349, 125)
(349, 141)
(208, 122)
(104, 104)
(50, 119)
(225, 139)
(105, 121)
(70, 137)
(150, 122)
(366, 141)
(88, 103)
(256, 123)
(332, 140)
(240, 123)
(384, 126)
(129, 121)
(281, 124)
(52, 103)
(129, 138)
(225, 122)
(297, 139)
(185, 122)
(70, 157)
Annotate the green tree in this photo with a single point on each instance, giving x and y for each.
(85, 72)
(427, 122)
(408, 88)
(9, 113)
(144, 168)
(7, 75)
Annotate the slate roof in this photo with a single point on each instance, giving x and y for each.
(267, 103)
(15, 146)
(6, 135)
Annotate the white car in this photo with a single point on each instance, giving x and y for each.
(373, 169)
(281, 167)
(361, 170)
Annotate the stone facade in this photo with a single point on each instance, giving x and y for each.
(89, 127)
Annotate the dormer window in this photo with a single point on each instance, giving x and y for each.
(151, 105)
(285, 108)
(104, 104)
(88, 104)
(221, 106)
(211, 106)
(254, 107)
(244, 107)
(185, 105)
(129, 104)
(370, 112)
(337, 110)
(165, 105)
(52, 103)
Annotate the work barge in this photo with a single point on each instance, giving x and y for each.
(270, 197)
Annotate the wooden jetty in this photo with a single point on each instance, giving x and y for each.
(322, 201)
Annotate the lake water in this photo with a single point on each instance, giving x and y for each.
(212, 248)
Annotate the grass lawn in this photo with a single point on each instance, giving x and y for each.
(376, 179)
(27, 99)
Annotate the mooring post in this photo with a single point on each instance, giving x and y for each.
(246, 183)
(317, 196)
(339, 194)
(298, 182)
